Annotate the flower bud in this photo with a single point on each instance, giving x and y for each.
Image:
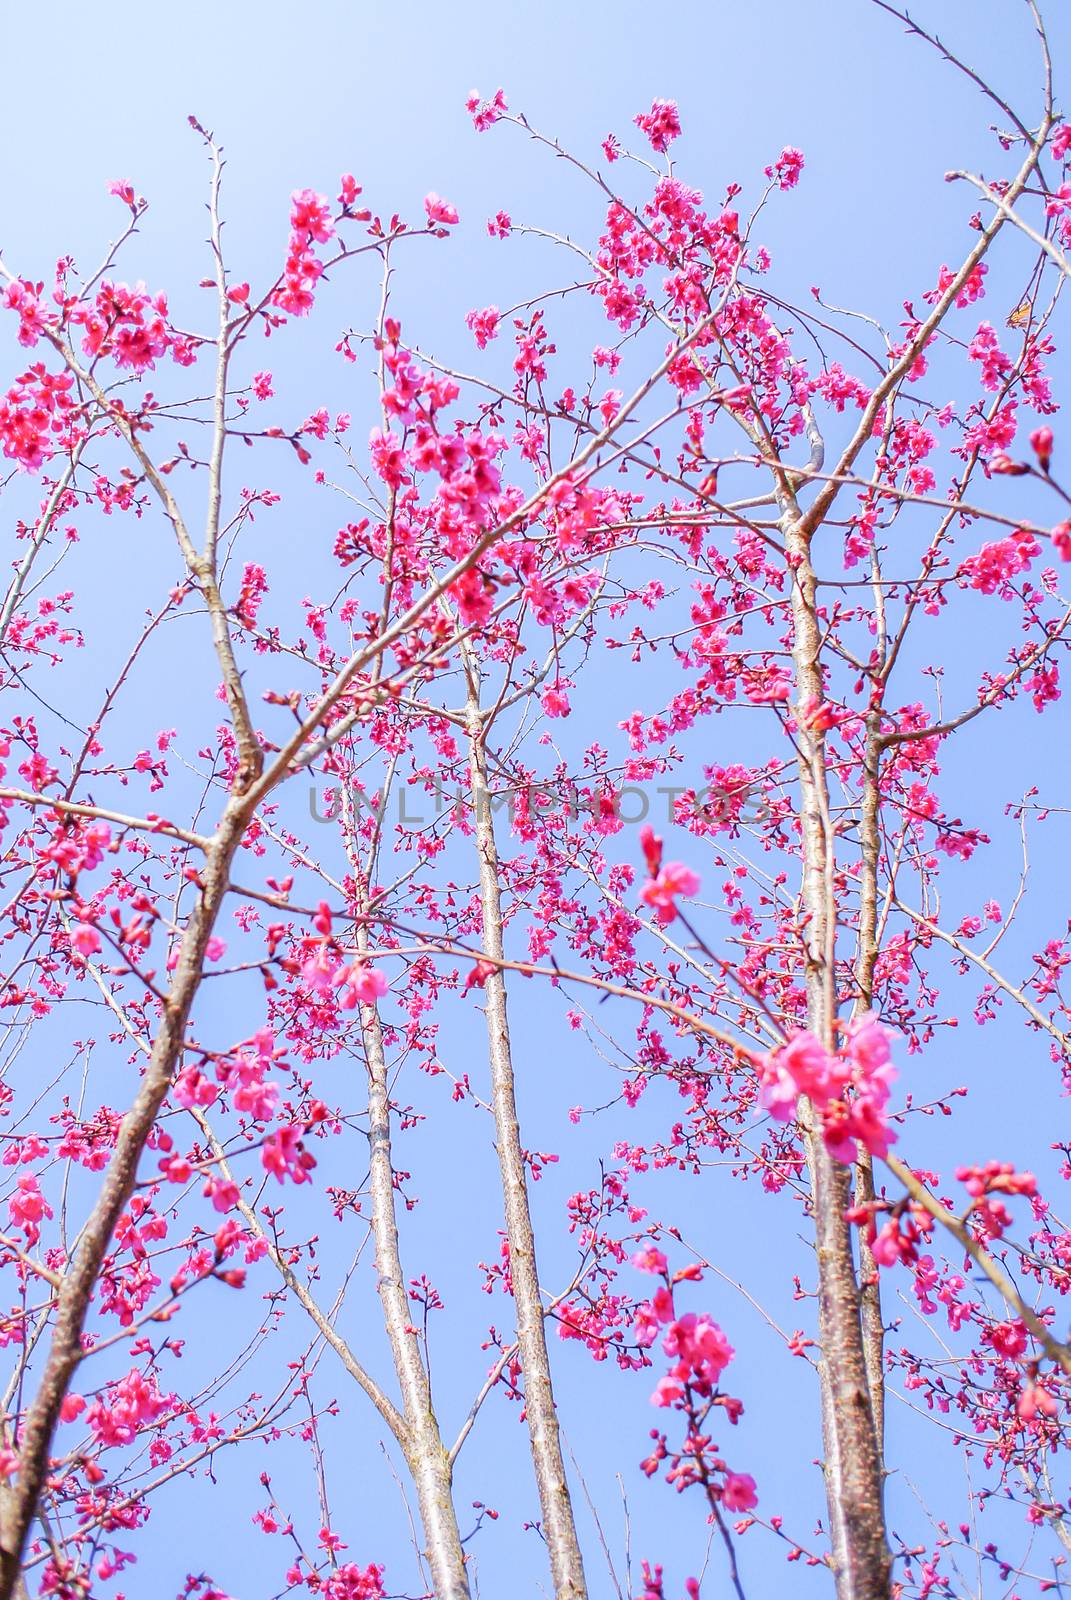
(1042, 441)
(1003, 464)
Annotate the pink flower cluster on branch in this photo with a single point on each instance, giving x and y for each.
(699, 1353)
(849, 1089)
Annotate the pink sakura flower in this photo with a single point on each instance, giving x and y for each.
(666, 1392)
(483, 325)
(862, 1119)
(662, 124)
(130, 325)
(1035, 1402)
(262, 385)
(778, 1090)
(310, 214)
(439, 210)
(485, 113)
(318, 424)
(360, 983)
(123, 190)
(888, 1245)
(662, 1306)
(34, 408)
(700, 1345)
(350, 1583)
(1008, 1339)
(650, 1259)
(28, 1207)
(973, 289)
(819, 715)
(256, 1099)
(868, 1044)
(660, 892)
(1061, 540)
(738, 1491)
(475, 597)
(132, 1403)
(804, 1067)
(787, 168)
(898, 1241)
(767, 685)
(555, 703)
(72, 1407)
(283, 1153)
(319, 973)
(1044, 686)
(192, 1088)
(223, 1194)
(310, 220)
(85, 940)
(985, 349)
(610, 405)
(648, 1323)
(653, 1315)
(349, 189)
(997, 1177)
(996, 563)
(477, 979)
(388, 457)
(25, 298)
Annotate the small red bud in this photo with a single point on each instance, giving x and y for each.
(1042, 441)
(1004, 466)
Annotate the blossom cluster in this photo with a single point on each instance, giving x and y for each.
(849, 1089)
(699, 1353)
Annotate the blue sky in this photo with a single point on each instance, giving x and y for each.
(298, 96)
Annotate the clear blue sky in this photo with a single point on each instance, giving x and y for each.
(298, 95)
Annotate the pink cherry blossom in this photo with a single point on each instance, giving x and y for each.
(738, 1492)
(360, 984)
(661, 124)
(660, 892)
(439, 210)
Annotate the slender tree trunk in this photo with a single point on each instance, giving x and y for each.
(19, 1590)
(853, 1470)
(79, 1280)
(866, 955)
(425, 1453)
(559, 1527)
(870, 1310)
(421, 1445)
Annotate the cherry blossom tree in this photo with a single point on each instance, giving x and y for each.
(661, 670)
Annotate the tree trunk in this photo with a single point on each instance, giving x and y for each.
(853, 1470)
(866, 955)
(426, 1456)
(80, 1278)
(559, 1528)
